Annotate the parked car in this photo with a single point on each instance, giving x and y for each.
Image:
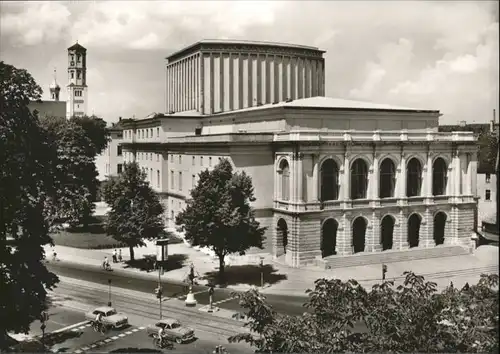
(109, 317)
(172, 329)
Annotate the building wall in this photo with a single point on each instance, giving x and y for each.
(486, 183)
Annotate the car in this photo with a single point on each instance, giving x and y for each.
(110, 317)
(173, 330)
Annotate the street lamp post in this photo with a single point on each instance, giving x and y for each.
(109, 292)
(261, 272)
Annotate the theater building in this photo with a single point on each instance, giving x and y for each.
(337, 182)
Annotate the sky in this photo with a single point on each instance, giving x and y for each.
(422, 54)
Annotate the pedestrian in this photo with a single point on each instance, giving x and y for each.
(120, 255)
(105, 264)
(114, 256)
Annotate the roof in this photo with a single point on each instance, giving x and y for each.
(168, 320)
(242, 42)
(320, 102)
(77, 46)
(104, 309)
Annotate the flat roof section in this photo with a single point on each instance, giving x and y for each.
(194, 46)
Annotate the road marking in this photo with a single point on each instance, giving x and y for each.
(101, 343)
(115, 337)
(67, 328)
(78, 351)
(123, 335)
(82, 327)
(141, 328)
(128, 332)
(75, 329)
(85, 348)
(93, 346)
(223, 301)
(108, 340)
(135, 330)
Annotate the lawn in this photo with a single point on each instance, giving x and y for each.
(94, 237)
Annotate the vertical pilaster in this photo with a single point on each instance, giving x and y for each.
(201, 58)
(403, 231)
(457, 181)
(183, 85)
(315, 178)
(293, 78)
(402, 176)
(231, 82)
(251, 103)
(240, 81)
(374, 180)
(300, 74)
(268, 79)
(314, 78)
(300, 177)
(284, 76)
(212, 110)
(176, 86)
(323, 77)
(345, 188)
(344, 236)
(277, 179)
(307, 68)
(221, 83)
(259, 79)
(192, 103)
(473, 174)
(467, 177)
(167, 89)
(428, 174)
(276, 97)
(373, 234)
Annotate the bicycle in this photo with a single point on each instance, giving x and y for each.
(160, 342)
(99, 327)
(106, 266)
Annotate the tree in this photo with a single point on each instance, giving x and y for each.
(75, 170)
(136, 212)
(413, 317)
(487, 152)
(96, 131)
(218, 214)
(26, 185)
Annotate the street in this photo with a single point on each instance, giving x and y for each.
(71, 300)
(291, 305)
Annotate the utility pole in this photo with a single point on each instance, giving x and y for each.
(159, 288)
(109, 292)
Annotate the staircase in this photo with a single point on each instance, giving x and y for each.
(390, 256)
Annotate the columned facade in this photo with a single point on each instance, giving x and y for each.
(219, 76)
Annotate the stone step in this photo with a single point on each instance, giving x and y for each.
(390, 256)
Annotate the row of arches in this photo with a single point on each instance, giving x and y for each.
(359, 226)
(330, 183)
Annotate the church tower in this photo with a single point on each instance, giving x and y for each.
(55, 89)
(77, 81)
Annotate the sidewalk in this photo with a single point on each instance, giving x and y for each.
(459, 269)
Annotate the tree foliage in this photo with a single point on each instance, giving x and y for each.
(219, 216)
(136, 212)
(26, 186)
(412, 317)
(487, 152)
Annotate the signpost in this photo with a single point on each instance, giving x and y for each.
(109, 292)
(161, 259)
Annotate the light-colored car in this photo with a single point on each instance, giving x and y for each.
(109, 317)
(173, 330)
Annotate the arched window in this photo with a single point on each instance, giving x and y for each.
(358, 234)
(387, 178)
(359, 179)
(439, 177)
(413, 178)
(329, 238)
(284, 180)
(329, 180)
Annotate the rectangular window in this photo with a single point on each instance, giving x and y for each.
(193, 163)
(180, 181)
(119, 150)
(172, 158)
(151, 133)
(193, 181)
(157, 132)
(150, 156)
(210, 161)
(488, 195)
(78, 74)
(151, 176)
(180, 159)
(157, 157)
(172, 183)
(72, 75)
(488, 178)
(158, 178)
(201, 161)
(119, 168)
